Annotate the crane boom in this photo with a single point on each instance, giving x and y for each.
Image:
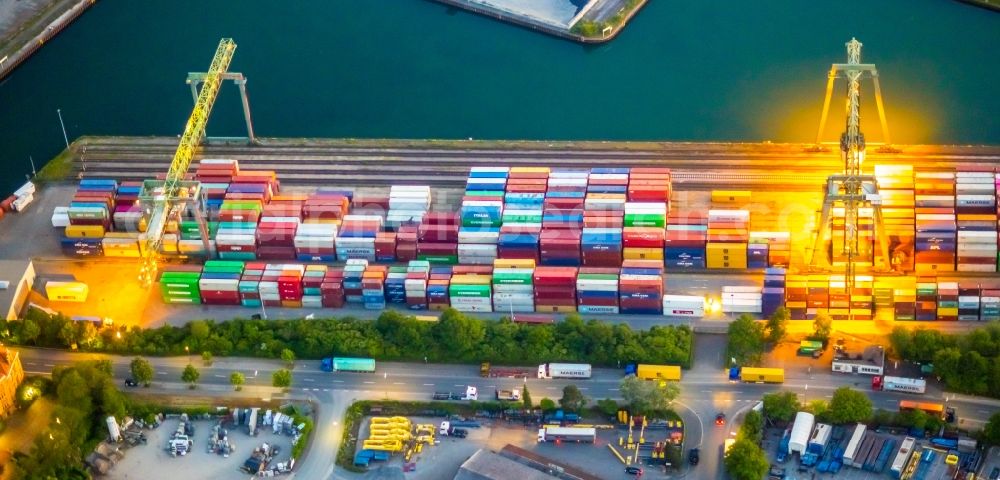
(194, 133)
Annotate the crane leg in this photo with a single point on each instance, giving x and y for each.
(818, 258)
(242, 82)
(826, 105)
(194, 90)
(881, 109)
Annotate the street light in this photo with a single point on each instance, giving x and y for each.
(63, 125)
(188, 351)
(385, 375)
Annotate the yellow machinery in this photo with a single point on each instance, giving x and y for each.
(388, 434)
(171, 196)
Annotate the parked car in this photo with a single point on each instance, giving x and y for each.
(130, 382)
(694, 456)
(459, 432)
(633, 470)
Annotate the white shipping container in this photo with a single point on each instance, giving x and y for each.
(801, 431)
(25, 190)
(60, 217)
(976, 267)
(21, 203)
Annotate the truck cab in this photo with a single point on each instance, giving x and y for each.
(326, 364)
(471, 393)
(877, 383)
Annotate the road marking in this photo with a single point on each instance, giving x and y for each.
(987, 412)
(47, 365)
(338, 381)
(309, 379)
(459, 385)
(315, 389)
(612, 389)
(161, 373)
(582, 388)
(219, 376)
(550, 388)
(398, 383)
(370, 383)
(706, 391)
(890, 401)
(428, 384)
(326, 389)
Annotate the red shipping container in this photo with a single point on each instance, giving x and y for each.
(608, 181)
(527, 175)
(641, 237)
(526, 188)
(433, 248)
(440, 218)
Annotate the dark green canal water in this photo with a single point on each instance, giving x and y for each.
(683, 70)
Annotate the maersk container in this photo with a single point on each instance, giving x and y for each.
(683, 306)
(564, 370)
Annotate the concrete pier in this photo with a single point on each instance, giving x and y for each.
(26, 26)
(606, 18)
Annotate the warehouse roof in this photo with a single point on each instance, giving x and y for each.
(16, 277)
(486, 465)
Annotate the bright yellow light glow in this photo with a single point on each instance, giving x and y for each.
(118, 334)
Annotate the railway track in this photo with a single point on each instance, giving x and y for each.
(695, 165)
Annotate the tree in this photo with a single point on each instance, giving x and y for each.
(849, 406)
(781, 406)
(199, 329)
(237, 380)
(526, 397)
(746, 340)
(753, 427)
(30, 331)
(547, 405)
(142, 371)
(608, 407)
(281, 378)
(818, 407)
(572, 399)
(206, 358)
(777, 325)
(822, 326)
(991, 431)
(648, 397)
(190, 375)
(746, 461)
(288, 357)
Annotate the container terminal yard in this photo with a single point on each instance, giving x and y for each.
(162, 231)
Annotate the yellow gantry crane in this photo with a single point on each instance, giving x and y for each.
(171, 195)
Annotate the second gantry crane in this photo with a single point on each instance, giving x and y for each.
(164, 200)
(852, 190)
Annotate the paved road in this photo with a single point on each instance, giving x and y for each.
(705, 391)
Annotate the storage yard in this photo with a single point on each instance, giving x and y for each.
(532, 239)
(808, 449)
(233, 454)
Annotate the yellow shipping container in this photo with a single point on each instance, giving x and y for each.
(66, 291)
(514, 263)
(471, 280)
(529, 169)
(658, 372)
(945, 311)
(718, 263)
(733, 250)
(795, 304)
(84, 231)
(762, 375)
(730, 196)
(633, 253)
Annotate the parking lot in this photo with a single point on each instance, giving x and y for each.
(153, 461)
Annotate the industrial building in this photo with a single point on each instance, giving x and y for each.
(16, 278)
(869, 362)
(486, 465)
(11, 376)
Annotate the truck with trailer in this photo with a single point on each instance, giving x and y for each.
(347, 364)
(756, 375)
(471, 393)
(936, 410)
(888, 451)
(487, 370)
(816, 447)
(567, 434)
(854, 443)
(802, 429)
(670, 373)
(564, 370)
(512, 394)
(898, 384)
(902, 457)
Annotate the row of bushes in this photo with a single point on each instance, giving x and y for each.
(966, 363)
(456, 338)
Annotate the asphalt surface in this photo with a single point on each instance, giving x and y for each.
(705, 392)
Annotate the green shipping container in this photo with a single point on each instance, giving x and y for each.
(469, 290)
(440, 259)
(645, 220)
